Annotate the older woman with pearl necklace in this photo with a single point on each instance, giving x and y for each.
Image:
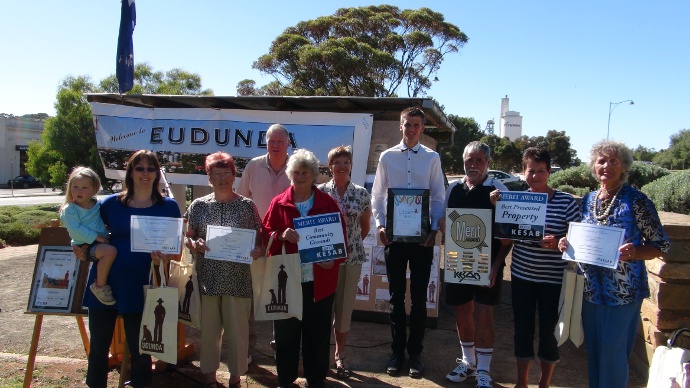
(613, 297)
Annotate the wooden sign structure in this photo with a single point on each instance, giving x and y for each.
(57, 288)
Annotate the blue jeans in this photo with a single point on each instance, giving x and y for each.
(610, 334)
(397, 256)
(101, 327)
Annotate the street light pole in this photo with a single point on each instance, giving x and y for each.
(612, 106)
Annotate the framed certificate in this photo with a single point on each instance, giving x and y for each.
(468, 246)
(407, 215)
(55, 280)
(230, 244)
(521, 216)
(320, 238)
(148, 234)
(594, 244)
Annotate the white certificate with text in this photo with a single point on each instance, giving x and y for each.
(230, 244)
(148, 234)
(594, 244)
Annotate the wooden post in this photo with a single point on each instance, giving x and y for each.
(28, 375)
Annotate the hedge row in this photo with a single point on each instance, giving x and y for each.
(670, 193)
(21, 225)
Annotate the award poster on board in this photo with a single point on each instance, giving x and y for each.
(468, 246)
(521, 215)
(55, 280)
(321, 238)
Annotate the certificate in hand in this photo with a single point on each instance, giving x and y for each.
(320, 238)
(594, 244)
(148, 234)
(230, 244)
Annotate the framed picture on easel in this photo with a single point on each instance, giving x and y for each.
(56, 281)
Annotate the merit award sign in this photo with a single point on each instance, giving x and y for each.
(468, 246)
(407, 215)
(321, 238)
(521, 215)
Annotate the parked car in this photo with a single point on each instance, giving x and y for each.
(503, 177)
(24, 182)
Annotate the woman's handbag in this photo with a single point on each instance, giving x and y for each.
(569, 323)
(277, 286)
(183, 277)
(158, 332)
(670, 365)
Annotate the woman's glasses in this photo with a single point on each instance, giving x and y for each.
(142, 168)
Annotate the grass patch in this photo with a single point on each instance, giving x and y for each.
(21, 225)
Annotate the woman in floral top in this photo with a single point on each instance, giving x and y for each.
(355, 203)
(226, 286)
(613, 297)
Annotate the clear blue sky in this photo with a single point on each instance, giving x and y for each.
(560, 62)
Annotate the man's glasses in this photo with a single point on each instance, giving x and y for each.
(142, 168)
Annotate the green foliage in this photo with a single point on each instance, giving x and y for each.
(467, 130)
(22, 225)
(68, 139)
(670, 193)
(578, 177)
(505, 155)
(366, 51)
(677, 156)
(148, 81)
(579, 191)
(644, 154)
(517, 186)
(643, 173)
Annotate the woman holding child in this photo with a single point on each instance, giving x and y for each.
(129, 272)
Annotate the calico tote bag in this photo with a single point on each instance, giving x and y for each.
(158, 332)
(670, 365)
(183, 277)
(569, 324)
(277, 286)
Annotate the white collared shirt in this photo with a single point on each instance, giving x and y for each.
(400, 168)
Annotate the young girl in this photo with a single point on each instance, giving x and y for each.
(81, 216)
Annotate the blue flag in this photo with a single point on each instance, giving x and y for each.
(125, 47)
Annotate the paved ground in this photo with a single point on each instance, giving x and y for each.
(369, 344)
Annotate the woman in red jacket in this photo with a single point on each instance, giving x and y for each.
(319, 280)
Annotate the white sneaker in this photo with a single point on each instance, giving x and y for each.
(462, 371)
(103, 294)
(483, 380)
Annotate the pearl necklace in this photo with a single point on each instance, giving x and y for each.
(602, 213)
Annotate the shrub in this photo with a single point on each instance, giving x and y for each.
(670, 193)
(22, 225)
(579, 191)
(642, 173)
(579, 176)
(517, 186)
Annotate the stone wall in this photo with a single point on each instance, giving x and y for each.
(668, 307)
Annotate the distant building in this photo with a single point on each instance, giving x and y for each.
(511, 121)
(15, 134)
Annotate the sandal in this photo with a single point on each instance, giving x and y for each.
(341, 371)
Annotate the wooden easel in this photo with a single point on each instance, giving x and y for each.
(119, 352)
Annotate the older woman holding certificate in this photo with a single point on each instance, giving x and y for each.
(130, 271)
(536, 271)
(355, 203)
(613, 297)
(319, 280)
(226, 286)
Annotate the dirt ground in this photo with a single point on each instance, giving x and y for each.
(62, 359)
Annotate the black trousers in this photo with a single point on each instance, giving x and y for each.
(101, 327)
(398, 255)
(314, 334)
(528, 299)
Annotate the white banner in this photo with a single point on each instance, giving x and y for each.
(182, 138)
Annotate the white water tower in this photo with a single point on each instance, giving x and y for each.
(511, 121)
